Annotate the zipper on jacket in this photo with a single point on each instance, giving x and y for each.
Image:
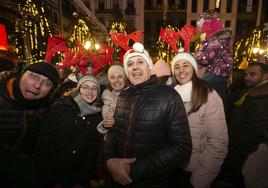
(130, 122)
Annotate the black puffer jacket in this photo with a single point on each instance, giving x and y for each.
(151, 125)
(19, 121)
(68, 144)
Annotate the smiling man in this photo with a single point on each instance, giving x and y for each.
(151, 134)
(23, 98)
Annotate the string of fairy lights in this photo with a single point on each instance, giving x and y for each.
(245, 49)
(117, 27)
(32, 29)
(81, 32)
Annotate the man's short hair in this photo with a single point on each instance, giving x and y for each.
(264, 67)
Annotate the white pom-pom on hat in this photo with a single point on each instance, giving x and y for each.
(137, 50)
(138, 47)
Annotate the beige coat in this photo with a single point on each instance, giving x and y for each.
(210, 141)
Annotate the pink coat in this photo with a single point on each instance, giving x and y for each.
(210, 141)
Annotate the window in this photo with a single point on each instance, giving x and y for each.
(229, 6)
(182, 23)
(218, 5)
(130, 25)
(147, 26)
(148, 4)
(194, 5)
(130, 3)
(171, 3)
(193, 23)
(242, 5)
(101, 6)
(183, 4)
(116, 4)
(55, 17)
(159, 2)
(158, 24)
(227, 23)
(249, 5)
(205, 5)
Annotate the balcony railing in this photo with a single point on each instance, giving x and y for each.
(108, 11)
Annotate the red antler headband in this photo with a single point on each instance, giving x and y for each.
(122, 39)
(170, 37)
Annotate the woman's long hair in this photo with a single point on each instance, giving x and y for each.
(200, 92)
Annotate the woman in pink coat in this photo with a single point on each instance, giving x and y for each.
(206, 119)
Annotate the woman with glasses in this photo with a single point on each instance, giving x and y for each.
(68, 142)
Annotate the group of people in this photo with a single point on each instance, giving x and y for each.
(152, 124)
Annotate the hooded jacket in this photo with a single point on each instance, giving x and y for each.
(216, 53)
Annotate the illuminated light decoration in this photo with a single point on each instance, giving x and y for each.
(97, 47)
(81, 32)
(246, 49)
(117, 27)
(162, 48)
(87, 45)
(255, 50)
(3, 38)
(261, 51)
(32, 30)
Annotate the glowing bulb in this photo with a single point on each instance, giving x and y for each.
(255, 50)
(87, 45)
(261, 51)
(97, 46)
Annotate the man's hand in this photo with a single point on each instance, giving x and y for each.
(120, 169)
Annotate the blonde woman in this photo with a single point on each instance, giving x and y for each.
(117, 81)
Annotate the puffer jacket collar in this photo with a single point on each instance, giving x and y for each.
(145, 86)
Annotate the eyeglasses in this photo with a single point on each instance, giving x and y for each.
(37, 78)
(93, 89)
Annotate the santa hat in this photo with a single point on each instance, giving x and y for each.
(88, 77)
(137, 50)
(115, 69)
(184, 56)
(161, 68)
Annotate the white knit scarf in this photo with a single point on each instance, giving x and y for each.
(185, 91)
